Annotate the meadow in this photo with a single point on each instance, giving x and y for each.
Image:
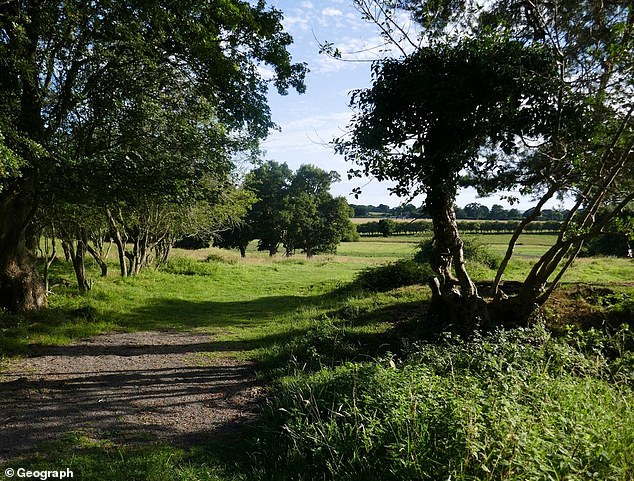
(356, 388)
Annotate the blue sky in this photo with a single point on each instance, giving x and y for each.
(310, 121)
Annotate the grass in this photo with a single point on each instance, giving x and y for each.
(353, 394)
(514, 405)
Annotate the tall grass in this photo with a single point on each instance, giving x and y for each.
(515, 405)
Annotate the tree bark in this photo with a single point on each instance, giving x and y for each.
(21, 287)
(78, 256)
(455, 300)
(95, 255)
(118, 240)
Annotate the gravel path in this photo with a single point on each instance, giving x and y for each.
(130, 388)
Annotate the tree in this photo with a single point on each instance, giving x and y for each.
(498, 212)
(238, 237)
(80, 80)
(425, 119)
(295, 210)
(361, 210)
(386, 227)
(317, 221)
(476, 211)
(555, 120)
(268, 217)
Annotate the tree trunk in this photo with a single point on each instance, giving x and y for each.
(49, 257)
(66, 250)
(95, 255)
(21, 287)
(78, 256)
(119, 242)
(455, 300)
(243, 251)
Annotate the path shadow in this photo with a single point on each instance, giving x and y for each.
(127, 400)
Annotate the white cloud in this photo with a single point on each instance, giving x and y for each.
(332, 12)
(310, 134)
(300, 21)
(308, 5)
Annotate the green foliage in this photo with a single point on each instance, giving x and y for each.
(404, 272)
(427, 115)
(296, 210)
(386, 227)
(350, 234)
(607, 245)
(474, 251)
(10, 162)
(91, 461)
(190, 267)
(516, 405)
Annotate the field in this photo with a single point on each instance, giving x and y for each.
(351, 393)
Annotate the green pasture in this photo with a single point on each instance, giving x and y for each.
(216, 290)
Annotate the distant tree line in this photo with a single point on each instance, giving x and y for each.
(388, 227)
(472, 210)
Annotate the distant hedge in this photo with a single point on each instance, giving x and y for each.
(378, 228)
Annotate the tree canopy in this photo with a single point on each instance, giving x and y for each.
(503, 95)
(292, 209)
(112, 103)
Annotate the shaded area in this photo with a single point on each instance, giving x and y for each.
(125, 388)
(168, 313)
(155, 314)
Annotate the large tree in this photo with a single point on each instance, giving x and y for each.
(424, 121)
(268, 218)
(317, 221)
(294, 209)
(105, 81)
(511, 94)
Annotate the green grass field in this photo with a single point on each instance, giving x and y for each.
(349, 385)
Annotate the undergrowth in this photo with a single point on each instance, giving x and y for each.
(511, 405)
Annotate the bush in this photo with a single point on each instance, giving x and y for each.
(606, 245)
(351, 234)
(473, 252)
(513, 405)
(192, 243)
(404, 272)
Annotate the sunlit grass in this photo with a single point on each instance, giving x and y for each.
(293, 316)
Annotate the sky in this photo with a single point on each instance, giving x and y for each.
(308, 122)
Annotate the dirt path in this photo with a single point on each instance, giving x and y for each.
(128, 388)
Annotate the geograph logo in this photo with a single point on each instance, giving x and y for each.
(42, 475)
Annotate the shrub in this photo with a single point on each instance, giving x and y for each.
(404, 272)
(513, 405)
(350, 234)
(473, 251)
(606, 245)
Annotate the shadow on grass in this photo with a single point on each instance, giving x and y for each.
(19, 334)
(166, 313)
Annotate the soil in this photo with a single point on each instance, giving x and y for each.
(128, 389)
